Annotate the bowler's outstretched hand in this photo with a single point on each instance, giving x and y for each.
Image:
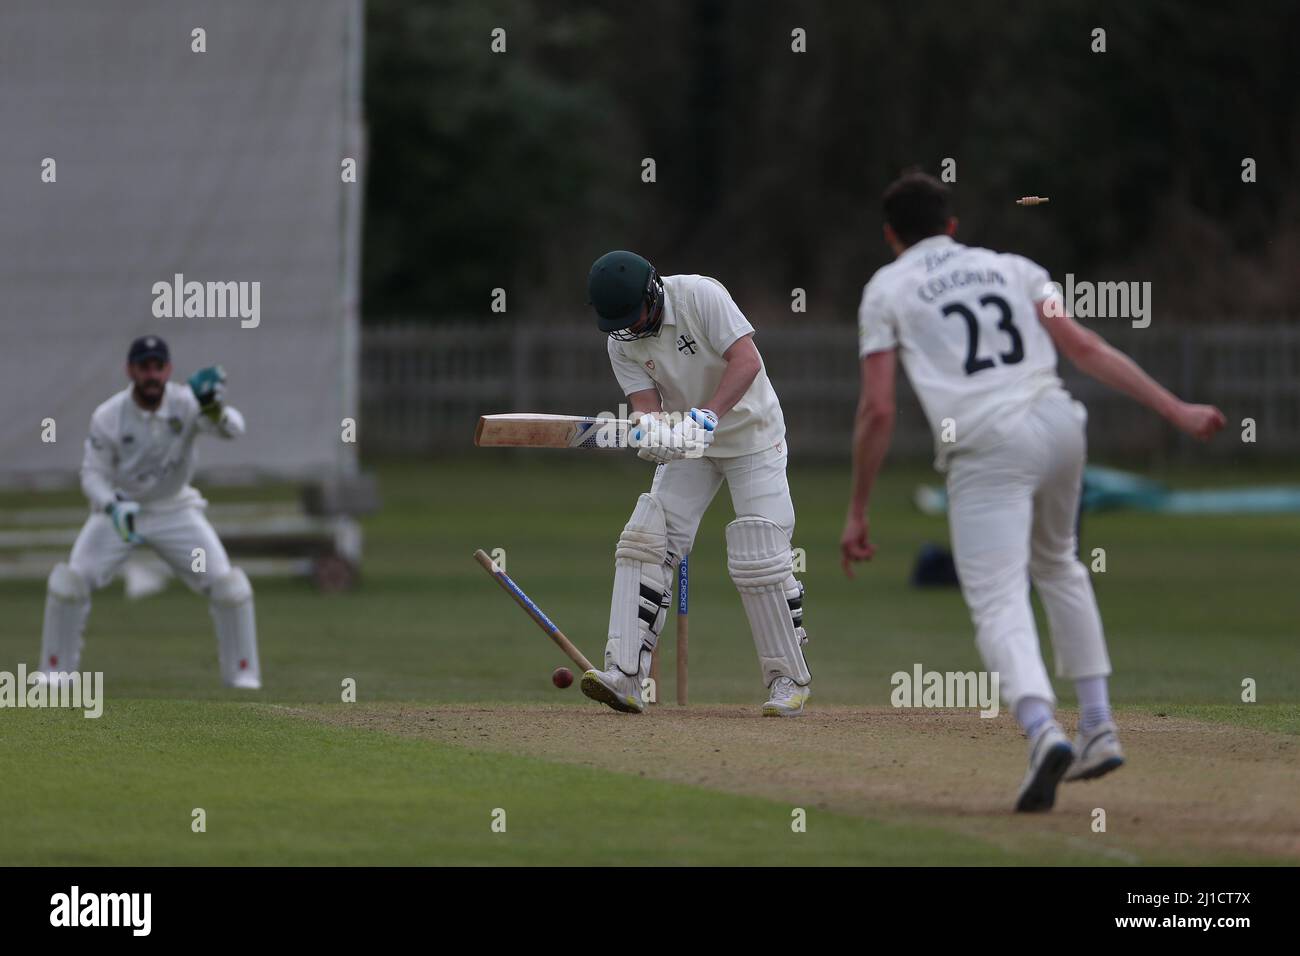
(854, 544)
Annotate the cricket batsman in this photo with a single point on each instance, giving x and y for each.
(703, 410)
(977, 332)
(136, 471)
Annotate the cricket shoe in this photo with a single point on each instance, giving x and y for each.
(614, 688)
(1050, 756)
(1097, 753)
(787, 699)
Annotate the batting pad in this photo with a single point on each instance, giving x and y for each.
(759, 559)
(639, 604)
(67, 604)
(236, 627)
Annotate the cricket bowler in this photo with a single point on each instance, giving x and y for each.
(703, 410)
(978, 332)
(136, 470)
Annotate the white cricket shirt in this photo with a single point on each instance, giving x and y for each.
(965, 323)
(683, 360)
(148, 456)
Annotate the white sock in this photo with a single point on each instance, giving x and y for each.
(1033, 713)
(1094, 702)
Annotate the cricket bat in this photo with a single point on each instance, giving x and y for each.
(523, 430)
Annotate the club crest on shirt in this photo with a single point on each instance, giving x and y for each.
(686, 344)
(650, 364)
(175, 424)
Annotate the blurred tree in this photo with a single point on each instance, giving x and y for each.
(517, 169)
(475, 156)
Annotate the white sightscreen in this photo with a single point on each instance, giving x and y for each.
(223, 166)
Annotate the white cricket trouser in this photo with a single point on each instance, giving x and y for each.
(757, 483)
(1013, 511)
(99, 551)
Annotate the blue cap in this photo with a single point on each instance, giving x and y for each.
(148, 347)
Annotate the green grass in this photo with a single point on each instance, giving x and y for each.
(278, 789)
(1192, 606)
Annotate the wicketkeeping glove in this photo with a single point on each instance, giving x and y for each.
(209, 387)
(123, 515)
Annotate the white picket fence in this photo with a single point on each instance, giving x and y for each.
(424, 385)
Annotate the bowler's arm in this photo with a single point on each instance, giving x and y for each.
(873, 426)
(873, 429)
(1096, 357)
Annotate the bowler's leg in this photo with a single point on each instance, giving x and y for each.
(989, 513)
(1065, 587)
(990, 508)
(1063, 583)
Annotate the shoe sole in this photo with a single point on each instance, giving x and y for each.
(782, 712)
(1040, 795)
(598, 692)
(1097, 770)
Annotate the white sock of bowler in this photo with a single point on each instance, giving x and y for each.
(1033, 713)
(1094, 702)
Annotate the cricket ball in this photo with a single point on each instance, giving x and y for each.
(562, 677)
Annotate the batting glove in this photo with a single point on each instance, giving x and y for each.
(653, 440)
(122, 514)
(694, 433)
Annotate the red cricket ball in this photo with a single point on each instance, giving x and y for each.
(562, 677)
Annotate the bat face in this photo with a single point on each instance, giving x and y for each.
(520, 430)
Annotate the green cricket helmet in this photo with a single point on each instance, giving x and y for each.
(619, 283)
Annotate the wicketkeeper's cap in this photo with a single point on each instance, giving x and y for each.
(618, 284)
(148, 347)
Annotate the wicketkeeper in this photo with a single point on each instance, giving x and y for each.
(679, 343)
(136, 471)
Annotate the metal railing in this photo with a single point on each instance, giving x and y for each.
(423, 386)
